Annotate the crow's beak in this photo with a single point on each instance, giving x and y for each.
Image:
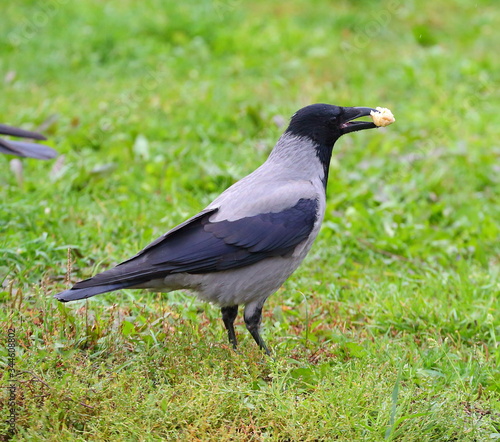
(350, 114)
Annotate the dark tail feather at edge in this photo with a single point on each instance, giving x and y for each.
(74, 294)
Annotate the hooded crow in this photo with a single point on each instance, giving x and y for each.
(242, 247)
(22, 148)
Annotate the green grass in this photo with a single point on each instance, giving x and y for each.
(388, 331)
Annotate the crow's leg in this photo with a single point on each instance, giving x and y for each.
(228, 316)
(253, 315)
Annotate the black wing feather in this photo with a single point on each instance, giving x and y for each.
(21, 133)
(22, 148)
(200, 246)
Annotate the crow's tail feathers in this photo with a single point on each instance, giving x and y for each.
(122, 276)
(75, 293)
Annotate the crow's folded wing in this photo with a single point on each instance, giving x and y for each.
(201, 246)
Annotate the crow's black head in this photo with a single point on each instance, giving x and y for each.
(325, 123)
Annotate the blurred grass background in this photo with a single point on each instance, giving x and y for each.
(389, 329)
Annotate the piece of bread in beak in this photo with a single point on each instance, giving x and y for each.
(382, 117)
